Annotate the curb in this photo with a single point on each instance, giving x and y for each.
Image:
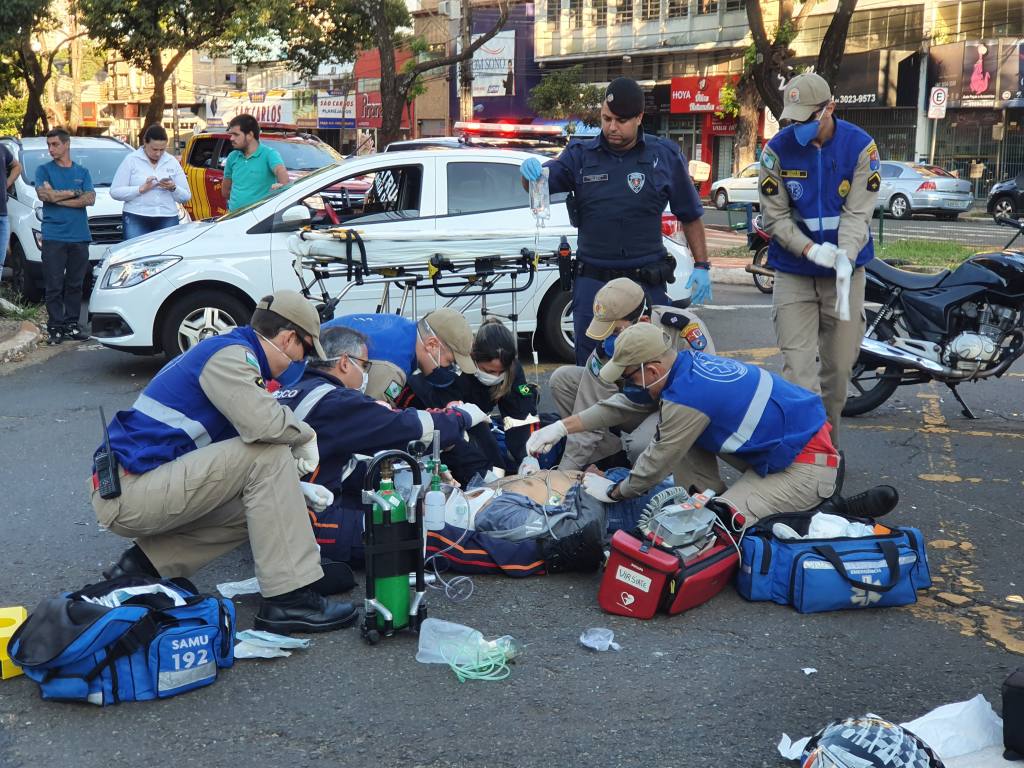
(25, 340)
(731, 276)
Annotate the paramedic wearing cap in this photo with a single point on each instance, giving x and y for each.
(618, 305)
(818, 187)
(774, 431)
(209, 460)
(621, 181)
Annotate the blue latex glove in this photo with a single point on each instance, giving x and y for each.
(531, 169)
(700, 286)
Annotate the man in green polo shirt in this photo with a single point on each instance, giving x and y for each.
(251, 170)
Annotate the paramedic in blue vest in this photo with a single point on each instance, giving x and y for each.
(330, 397)
(774, 431)
(209, 460)
(621, 181)
(818, 187)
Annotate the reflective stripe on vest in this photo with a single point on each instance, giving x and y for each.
(309, 402)
(173, 419)
(753, 415)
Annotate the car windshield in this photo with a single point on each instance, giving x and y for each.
(931, 170)
(271, 194)
(302, 156)
(102, 162)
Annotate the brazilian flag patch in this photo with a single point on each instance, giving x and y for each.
(769, 186)
(874, 182)
(250, 358)
(524, 390)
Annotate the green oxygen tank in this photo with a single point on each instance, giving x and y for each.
(392, 591)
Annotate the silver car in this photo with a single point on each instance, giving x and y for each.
(909, 188)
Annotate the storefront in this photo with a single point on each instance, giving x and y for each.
(369, 109)
(694, 123)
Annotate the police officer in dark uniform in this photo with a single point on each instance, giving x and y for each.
(621, 181)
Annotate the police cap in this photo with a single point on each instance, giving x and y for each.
(624, 97)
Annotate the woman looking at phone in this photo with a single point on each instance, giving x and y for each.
(151, 183)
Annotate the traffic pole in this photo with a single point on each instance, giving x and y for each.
(935, 130)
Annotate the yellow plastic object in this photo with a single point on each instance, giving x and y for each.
(10, 619)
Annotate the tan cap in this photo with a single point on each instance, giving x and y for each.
(615, 301)
(636, 345)
(293, 307)
(451, 328)
(803, 96)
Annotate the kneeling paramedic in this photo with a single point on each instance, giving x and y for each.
(819, 185)
(621, 181)
(209, 459)
(330, 398)
(618, 305)
(774, 431)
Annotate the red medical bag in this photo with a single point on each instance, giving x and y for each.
(640, 578)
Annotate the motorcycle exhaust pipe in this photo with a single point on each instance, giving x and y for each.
(754, 270)
(907, 359)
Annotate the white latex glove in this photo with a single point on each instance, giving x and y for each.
(318, 498)
(473, 413)
(823, 254)
(307, 457)
(545, 438)
(844, 271)
(598, 487)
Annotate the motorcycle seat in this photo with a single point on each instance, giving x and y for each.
(911, 281)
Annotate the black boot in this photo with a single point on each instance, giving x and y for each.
(581, 551)
(133, 562)
(874, 502)
(73, 332)
(56, 335)
(303, 610)
(337, 578)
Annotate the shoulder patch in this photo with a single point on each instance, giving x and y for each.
(695, 337)
(769, 186)
(594, 365)
(873, 159)
(676, 319)
(250, 358)
(874, 182)
(392, 391)
(844, 187)
(524, 390)
(260, 382)
(768, 160)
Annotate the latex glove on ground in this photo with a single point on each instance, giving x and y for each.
(307, 456)
(844, 273)
(318, 498)
(598, 487)
(823, 254)
(473, 413)
(531, 169)
(545, 438)
(700, 286)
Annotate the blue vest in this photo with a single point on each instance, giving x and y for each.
(816, 180)
(173, 416)
(388, 337)
(755, 415)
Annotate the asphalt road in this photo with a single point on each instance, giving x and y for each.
(715, 686)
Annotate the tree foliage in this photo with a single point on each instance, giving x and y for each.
(562, 95)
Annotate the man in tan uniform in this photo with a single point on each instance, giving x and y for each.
(618, 305)
(209, 459)
(819, 185)
(775, 431)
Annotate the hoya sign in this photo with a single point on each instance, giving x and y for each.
(697, 94)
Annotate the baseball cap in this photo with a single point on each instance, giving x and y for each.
(451, 328)
(803, 96)
(615, 301)
(293, 307)
(624, 97)
(636, 345)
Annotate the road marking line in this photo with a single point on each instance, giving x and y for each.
(942, 467)
(732, 307)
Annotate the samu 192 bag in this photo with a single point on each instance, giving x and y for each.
(815, 575)
(153, 645)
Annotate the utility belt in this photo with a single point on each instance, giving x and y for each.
(656, 273)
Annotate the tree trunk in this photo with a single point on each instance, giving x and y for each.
(746, 123)
(75, 65)
(35, 85)
(392, 95)
(157, 103)
(765, 74)
(831, 54)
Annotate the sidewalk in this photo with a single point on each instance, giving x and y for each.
(16, 338)
(727, 270)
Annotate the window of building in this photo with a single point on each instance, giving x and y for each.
(368, 84)
(624, 12)
(707, 6)
(575, 14)
(678, 9)
(650, 9)
(735, 5)
(554, 10)
(600, 13)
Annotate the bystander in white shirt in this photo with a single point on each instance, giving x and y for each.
(138, 183)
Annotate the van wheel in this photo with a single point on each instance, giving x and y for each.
(21, 279)
(200, 315)
(555, 325)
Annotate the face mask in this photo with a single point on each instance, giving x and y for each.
(805, 133)
(366, 380)
(490, 379)
(292, 374)
(442, 377)
(608, 345)
(638, 393)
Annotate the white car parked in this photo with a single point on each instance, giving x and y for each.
(101, 155)
(741, 188)
(168, 290)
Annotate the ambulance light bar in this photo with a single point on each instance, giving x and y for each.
(509, 128)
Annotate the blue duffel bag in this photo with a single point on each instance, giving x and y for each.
(162, 639)
(815, 575)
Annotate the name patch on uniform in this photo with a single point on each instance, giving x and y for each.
(795, 189)
(695, 336)
(768, 160)
(250, 358)
(595, 177)
(769, 186)
(793, 174)
(636, 181)
(844, 187)
(874, 182)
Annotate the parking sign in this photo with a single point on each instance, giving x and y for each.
(937, 103)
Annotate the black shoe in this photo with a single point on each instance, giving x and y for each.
(73, 332)
(337, 578)
(581, 551)
(56, 337)
(874, 502)
(303, 610)
(133, 562)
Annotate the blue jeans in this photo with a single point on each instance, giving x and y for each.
(136, 225)
(5, 234)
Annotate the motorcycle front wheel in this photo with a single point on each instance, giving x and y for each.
(872, 384)
(764, 283)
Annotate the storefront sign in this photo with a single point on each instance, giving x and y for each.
(980, 74)
(1011, 73)
(89, 114)
(723, 126)
(335, 110)
(494, 66)
(697, 94)
(270, 108)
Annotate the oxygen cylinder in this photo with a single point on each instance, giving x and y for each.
(391, 591)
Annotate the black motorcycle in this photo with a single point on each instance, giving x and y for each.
(952, 327)
(757, 242)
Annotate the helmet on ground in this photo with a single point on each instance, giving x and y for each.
(867, 742)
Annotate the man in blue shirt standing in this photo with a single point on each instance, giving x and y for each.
(9, 170)
(621, 181)
(65, 188)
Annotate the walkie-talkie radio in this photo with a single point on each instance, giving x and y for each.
(106, 466)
